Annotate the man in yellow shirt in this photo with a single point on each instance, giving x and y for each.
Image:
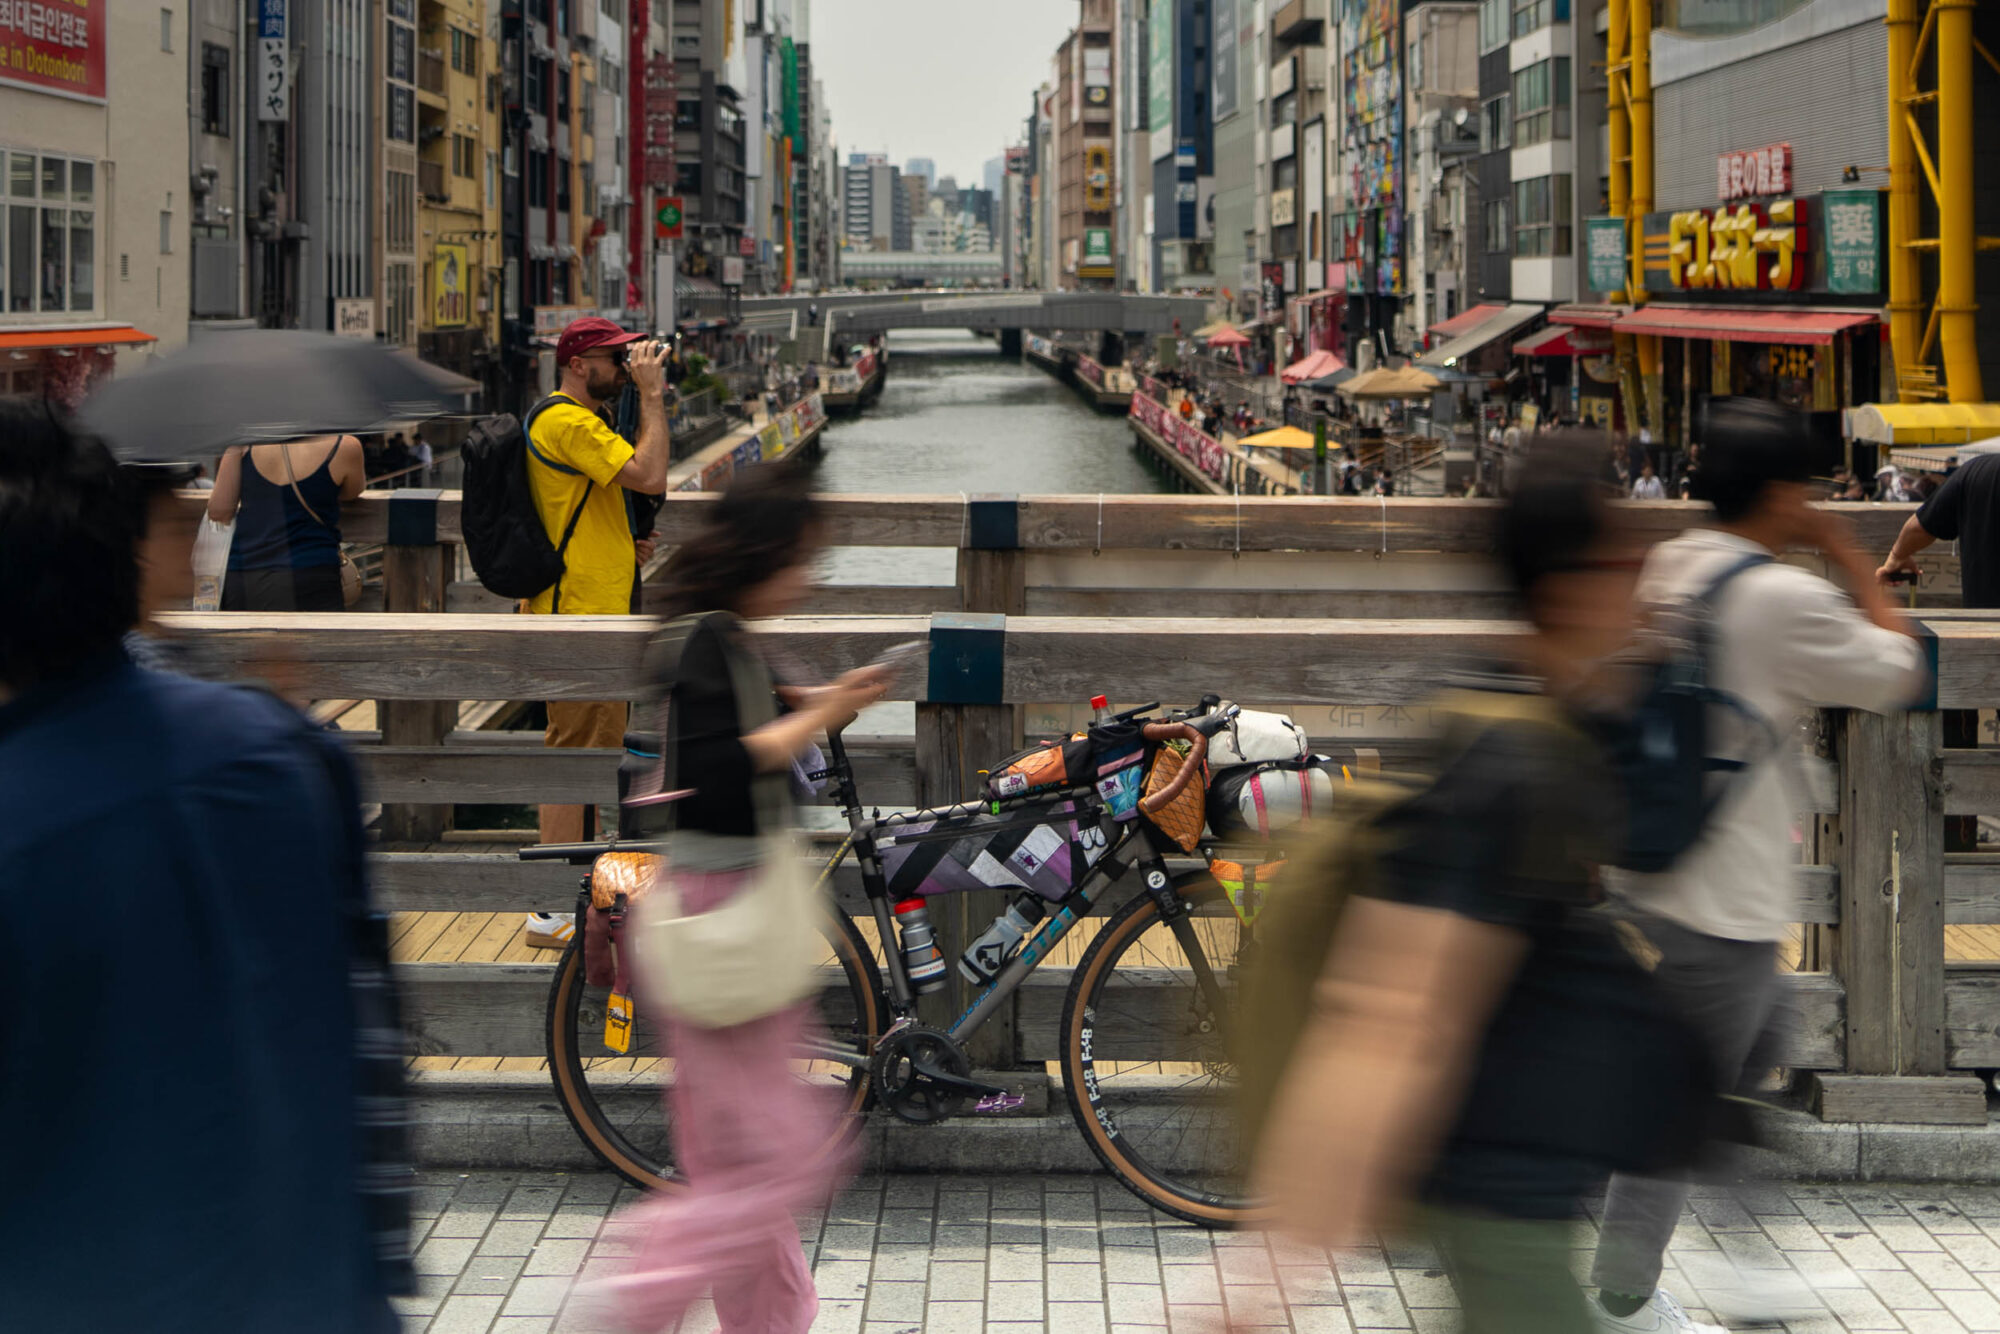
(579, 470)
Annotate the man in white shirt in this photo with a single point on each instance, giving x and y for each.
(1647, 485)
(1785, 641)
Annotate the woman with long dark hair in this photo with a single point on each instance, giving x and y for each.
(746, 1128)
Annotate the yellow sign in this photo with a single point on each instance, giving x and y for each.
(1742, 248)
(451, 286)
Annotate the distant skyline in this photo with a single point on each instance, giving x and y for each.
(948, 80)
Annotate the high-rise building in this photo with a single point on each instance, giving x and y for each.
(218, 127)
(921, 167)
(876, 213)
(991, 174)
(452, 165)
(1182, 144)
(1295, 176)
(1086, 113)
(1441, 97)
(1227, 209)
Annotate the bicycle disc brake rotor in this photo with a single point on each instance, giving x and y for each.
(907, 1062)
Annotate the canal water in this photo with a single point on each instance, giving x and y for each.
(957, 416)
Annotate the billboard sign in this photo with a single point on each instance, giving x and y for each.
(451, 286)
(1769, 250)
(54, 46)
(1754, 172)
(1604, 241)
(1222, 43)
(354, 317)
(1372, 134)
(1853, 240)
(732, 270)
(667, 219)
(273, 89)
(1096, 260)
(1160, 75)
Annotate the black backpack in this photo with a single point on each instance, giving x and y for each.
(1660, 749)
(504, 538)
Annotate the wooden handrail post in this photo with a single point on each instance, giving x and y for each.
(416, 570)
(1889, 949)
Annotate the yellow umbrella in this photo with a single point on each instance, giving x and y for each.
(1281, 437)
(1404, 382)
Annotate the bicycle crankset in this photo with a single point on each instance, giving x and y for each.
(922, 1075)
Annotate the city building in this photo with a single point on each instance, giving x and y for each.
(1181, 143)
(92, 277)
(710, 137)
(1229, 207)
(1441, 102)
(1368, 237)
(876, 206)
(219, 119)
(453, 184)
(921, 168)
(393, 170)
(1291, 242)
(1087, 111)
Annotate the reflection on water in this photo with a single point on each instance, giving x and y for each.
(956, 416)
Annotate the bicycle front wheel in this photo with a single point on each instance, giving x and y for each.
(1146, 1056)
(617, 1100)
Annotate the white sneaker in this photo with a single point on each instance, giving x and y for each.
(1662, 1315)
(548, 930)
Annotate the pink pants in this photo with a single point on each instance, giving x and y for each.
(750, 1137)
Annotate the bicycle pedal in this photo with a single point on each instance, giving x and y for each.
(999, 1104)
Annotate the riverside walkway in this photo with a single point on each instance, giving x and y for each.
(509, 1253)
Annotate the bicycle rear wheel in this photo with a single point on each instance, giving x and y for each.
(615, 1100)
(1145, 1056)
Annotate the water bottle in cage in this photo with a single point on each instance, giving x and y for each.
(986, 956)
(921, 957)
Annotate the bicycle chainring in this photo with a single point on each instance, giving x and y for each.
(904, 1060)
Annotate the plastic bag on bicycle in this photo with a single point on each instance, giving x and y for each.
(1044, 846)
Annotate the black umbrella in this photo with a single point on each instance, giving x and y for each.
(258, 386)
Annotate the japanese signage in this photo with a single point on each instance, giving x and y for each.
(1160, 77)
(1372, 134)
(1776, 247)
(667, 219)
(451, 286)
(354, 317)
(1754, 172)
(1096, 260)
(1097, 176)
(1605, 242)
(274, 63)
(1853, 240)
(662, 99)
(54, 46)
(554, 319)
(1284, 208)
(732, 271)
(1223, 45)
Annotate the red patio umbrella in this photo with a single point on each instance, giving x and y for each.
(1228, 338)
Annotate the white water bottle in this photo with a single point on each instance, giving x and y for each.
(986, 956)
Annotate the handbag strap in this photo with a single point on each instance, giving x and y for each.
(285, 453)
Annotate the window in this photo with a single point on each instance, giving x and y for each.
(1492, 24)
(1542, 216)
(402, 115)
(1541, 102)
(214, 89)
(402, 53)
(1497, 240)
(464, 52)
(1533, 15)
(536, 92)
(538, 179)
(562, 185)
(562, 94)
(464, 156)
(166, 29)
(1496, 123)
(492, 176)
(400, 220)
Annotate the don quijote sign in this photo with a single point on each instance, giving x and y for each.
(1753, 173)
(54, 46)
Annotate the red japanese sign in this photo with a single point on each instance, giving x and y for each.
(54, 46)
(1753, 172)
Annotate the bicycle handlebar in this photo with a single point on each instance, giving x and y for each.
(1197, 752)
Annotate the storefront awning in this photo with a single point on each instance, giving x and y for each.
(75, 335)
(1499, 324)
(1939, 458)
(1466, 321)
(1925, 423)
(1312, 366)
(1588, 316)
(1801, 327)
(1563, 340)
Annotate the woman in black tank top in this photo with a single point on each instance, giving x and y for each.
(285, 553)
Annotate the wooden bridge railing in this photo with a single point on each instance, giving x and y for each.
(1887, 1020)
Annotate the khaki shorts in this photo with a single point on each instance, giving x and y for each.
(577, 723)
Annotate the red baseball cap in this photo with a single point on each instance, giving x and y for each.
(590, 332)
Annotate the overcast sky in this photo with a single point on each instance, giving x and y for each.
(950, 80)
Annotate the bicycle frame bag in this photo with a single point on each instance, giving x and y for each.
(1119, 752)
(1044, 846)
(1255, 801)
(1254, 737)
(1049, 767)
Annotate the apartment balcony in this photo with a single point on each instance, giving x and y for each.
(431, 76)
(1300, 22)
(431, 182)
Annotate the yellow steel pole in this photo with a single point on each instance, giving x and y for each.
(1957, 303)
(1617, 63)
(1640, 85)
(1906, 301)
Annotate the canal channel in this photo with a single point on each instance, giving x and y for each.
(957, 416)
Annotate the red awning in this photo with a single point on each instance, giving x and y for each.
(1809, 327)
(1588, 316)
(1563, 340)
(1466, 321)
(81, 335)
(1312, 366)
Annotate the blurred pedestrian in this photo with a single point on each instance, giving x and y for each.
(747, 1131)
(579, 472)
(1647, 486)
(1479, 1042)
(210, 1075)
(165, 546)
(285, 502)
(1889, 487)
(1783, 641)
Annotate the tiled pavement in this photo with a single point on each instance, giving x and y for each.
(502, 1252)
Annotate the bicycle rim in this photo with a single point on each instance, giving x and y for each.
(616, 1101)
(1150, 1080)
